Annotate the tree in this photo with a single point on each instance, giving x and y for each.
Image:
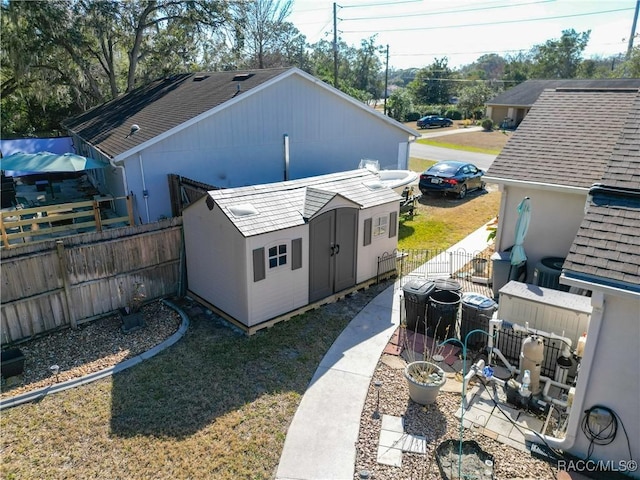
(559, 58)
(432, 85)
(473, 97)
(399, 104)
(264, 38)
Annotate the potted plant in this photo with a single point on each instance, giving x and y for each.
(132, 318)
(424, 376)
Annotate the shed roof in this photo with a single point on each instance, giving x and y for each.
(169, 104)
(288, 204)
(526, 93)
(566, 139)
(606, 246)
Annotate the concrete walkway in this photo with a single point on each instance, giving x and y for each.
(322, 437)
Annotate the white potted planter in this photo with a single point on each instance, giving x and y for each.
(425, 380)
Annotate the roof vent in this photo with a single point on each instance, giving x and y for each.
(241, 77)
(243, 210)
(374, 185)
(200, 77)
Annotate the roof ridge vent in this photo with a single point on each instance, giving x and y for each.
(200, 77)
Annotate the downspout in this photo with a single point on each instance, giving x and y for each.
(501, 215)
(124, 175)
(595, 325)
(145, 193)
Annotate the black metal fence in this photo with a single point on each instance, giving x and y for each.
(473, 270)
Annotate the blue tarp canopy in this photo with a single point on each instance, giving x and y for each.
(47, 162)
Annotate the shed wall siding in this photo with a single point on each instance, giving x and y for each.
(243, 145)
(283, 289)
(555, 219)
(216, 258)
(368, 255)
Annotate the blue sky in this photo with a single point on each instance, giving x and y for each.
(417, 31)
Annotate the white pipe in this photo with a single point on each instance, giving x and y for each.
(124, 175)
(595, 325)
(145, 194)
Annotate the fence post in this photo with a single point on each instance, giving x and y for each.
(132, 221)
(65, 281)
(96, 215)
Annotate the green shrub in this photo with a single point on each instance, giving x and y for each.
(412, 116)
(453, 114)
(487, 124)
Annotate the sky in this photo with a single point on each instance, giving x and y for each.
(419, 31)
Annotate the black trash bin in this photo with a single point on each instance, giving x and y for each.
(11, 362)
(442, 306)
(416, 293)
(477, 310)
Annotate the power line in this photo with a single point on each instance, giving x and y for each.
(489, 23)
(381, 4)
(446, 12)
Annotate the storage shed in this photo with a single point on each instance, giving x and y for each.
(255, 253)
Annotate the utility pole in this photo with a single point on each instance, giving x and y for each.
(335, 45)
(633, 30)
(386, 80)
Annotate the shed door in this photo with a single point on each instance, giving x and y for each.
(332, 252)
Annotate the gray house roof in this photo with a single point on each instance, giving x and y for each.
(607, 245)
(566, 139)
(526, 93)
(168, 105)
(276, 206)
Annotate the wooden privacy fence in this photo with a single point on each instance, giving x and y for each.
(60, 283)
(39, 223)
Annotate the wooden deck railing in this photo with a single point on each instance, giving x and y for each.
(40, 223)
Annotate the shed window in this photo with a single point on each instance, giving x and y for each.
(393, 224)
(380, 226)
(278, 256)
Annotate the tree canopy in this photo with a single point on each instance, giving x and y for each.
(62, 57)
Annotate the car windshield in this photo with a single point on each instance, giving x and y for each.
(445, 168)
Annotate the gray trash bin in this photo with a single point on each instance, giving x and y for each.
(443, 306)
(477, 310)
(447, 284)
(416, 293)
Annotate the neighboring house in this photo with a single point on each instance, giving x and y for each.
(511, 106)
(584, 183)
(559, 151)
(231, 129)
(258, 252)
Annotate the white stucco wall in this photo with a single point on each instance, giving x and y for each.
(555, 219)
(613, 379)
(243, 144)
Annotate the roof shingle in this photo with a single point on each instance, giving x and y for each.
(567, 138)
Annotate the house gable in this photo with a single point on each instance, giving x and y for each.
(169, 105)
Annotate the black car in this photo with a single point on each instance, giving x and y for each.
(451, 177)
(434, 121)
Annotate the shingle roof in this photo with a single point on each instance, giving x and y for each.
(286, 204)
(160, 106)
(526, 93)
(566, 139)
(608, 240)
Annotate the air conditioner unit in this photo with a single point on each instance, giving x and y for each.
(547, 273)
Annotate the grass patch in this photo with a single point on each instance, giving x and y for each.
(419, 164)
(440, 222)
(454, 146)
(215, 405)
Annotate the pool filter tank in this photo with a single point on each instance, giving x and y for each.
(531, 358)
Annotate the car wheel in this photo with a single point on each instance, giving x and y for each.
(483, 186)
(463, 192)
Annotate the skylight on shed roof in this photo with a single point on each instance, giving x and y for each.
(243, 210)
